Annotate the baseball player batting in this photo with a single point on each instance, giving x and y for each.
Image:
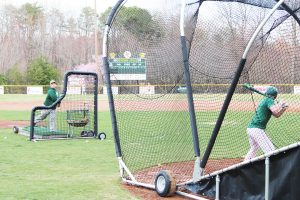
(256, 128)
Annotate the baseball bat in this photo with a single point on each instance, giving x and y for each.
(251, 88)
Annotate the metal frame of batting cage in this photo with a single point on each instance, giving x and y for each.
(226, 105)
(64, 93)
(199, 169)
(108, 24)
(199, 166)
(122, 165)
(280, 3)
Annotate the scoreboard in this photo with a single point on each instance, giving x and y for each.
(127, 67)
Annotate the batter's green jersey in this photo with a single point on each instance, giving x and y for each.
(52, 96)
(262, 114)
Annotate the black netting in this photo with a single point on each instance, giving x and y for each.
(145, 59)
(152, 113)
(74, 116)
(293, 4)
(216, 49)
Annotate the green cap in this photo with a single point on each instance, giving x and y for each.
(272, 91)
(52, 81)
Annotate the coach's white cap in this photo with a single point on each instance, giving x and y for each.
(52, 81)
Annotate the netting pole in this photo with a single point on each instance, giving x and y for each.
(96, 106)
(218, 187)
(232, 88)
(107, 79)
(196, 173)
(267, 178)
(32, 124)
(190, 97)
(291, 12)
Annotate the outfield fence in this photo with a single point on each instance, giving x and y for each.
(148, 89)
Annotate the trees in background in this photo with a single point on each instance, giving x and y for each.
(29, 32)
(40, 72)
(14, 76)
(31, 36)
(3, 80)
(33, 39)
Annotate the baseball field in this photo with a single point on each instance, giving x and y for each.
(88, 169)
(77, 169)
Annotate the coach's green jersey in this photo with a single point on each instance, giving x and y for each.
(262, 114)
(52, 96)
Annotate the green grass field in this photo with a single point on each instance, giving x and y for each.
(76, 169)
(88, 169)
(170, 140)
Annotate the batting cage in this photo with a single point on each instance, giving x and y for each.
(186, 80)
(72, 115)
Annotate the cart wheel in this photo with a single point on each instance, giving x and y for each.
(91, 134)
(83, 134)
(102, 136)
(16, 129)
(165, 184)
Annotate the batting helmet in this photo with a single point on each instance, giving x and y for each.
(272, 91)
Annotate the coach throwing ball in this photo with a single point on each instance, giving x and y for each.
(256, 128)
(52, 96)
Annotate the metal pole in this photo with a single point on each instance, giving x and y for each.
(107, 79)
(96, 106)
(197, 172)
(96, 33)
(32, 124)
(190, 98)
(97, 61)
(218, 187)
(267, 177)
(260, 27)
(222, 113)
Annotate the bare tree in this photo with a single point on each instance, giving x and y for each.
(29, 32)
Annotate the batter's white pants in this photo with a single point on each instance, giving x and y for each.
(43, 115)
(258, 139)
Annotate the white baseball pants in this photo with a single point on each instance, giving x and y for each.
(43, 115)
(258, 139)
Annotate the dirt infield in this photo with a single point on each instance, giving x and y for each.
(181, 171)
(168, 105)
(148, 194)
(19, 106)
(182, 105)
(11, 124)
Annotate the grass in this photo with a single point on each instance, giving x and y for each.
(104, 122)
(87, 169)
(167, 135)
(15, 115)
(77, 169)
